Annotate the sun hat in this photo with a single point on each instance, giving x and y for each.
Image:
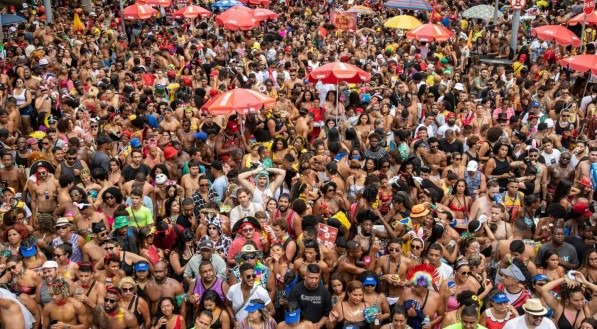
(419, 210)
(247, 249)
(120, 222)
(534, 306)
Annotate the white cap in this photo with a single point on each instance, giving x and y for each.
(431, 67)
(42, 61)
(50, 264)
(459, 86)
(160, 179)
(482, 219)
(472, 166)
(549, 123)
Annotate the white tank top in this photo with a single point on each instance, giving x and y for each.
(20, 98)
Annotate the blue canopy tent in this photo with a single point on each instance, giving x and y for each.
(409, 5)
(10, 19)
(226, 4)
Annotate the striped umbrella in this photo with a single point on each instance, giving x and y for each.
(240, 101)
(409, 5)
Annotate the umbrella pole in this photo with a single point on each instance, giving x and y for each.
(582, 37)
(337, 98)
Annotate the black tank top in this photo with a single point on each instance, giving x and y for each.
(564, 323)
(501, 167)
(20, 161)
(345, 323)
(133, 307)
(128, 269)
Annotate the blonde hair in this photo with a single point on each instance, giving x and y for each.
(127, 280)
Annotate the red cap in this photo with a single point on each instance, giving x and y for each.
(170, 152)
(171, 74)
(418, 56)
(451, 115)
(585, 181)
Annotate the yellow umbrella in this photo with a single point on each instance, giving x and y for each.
(404, 22)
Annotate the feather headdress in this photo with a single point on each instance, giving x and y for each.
(423, 275)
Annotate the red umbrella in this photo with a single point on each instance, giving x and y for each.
(139, 11)
(581, 63)
(161, 3)
(557, 33)
(237, 20)
(256, 2)
(191, 11)
(262, 14)
(336, 72)
(430, 32)
(239, 100)
(580, 18)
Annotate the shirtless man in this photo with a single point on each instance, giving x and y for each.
(11, 315)
(14, 177)
(331, 201)
(32, 83)
(44, 194)
(503, 246)
(481, 118)
(87, 216)
(163, 286)
(541, 169)
(430, 302)
(88, 291)
(504, 230)
(138, 183)
(14, 116)
(435, 158)
(186, 134)
(286, 106)
(482, 206)
(391, 270)
(304, 123)
(64, 311)
(169, 123)
(312, 255)
(584, 167)
(111, 315)
(350, 266)
(111, 275)
(190, 181)
(561, 170)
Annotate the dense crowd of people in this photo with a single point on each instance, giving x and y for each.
(454, 189)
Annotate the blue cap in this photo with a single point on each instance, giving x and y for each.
(254, 305)
(500, 297)
(292, 317)
(202, 136)
(28, 251)
(540, 277)
(535, 104)
(151, 121)
(141, 266)
(369, 281)
(135, 143)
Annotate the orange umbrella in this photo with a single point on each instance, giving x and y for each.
(239, 100)
(237, 20)
(336, 72)
(191, 11)
(262, 14)
(139, 11)
(580, 18)
(557, 33)
(430, 32)
(161, 3)
(581, 63)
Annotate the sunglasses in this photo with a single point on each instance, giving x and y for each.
(111, 301)
(71, 158)
(127, 289)
(109, 197)
(465, 273)
(248, 229)
(61, 227)
(58, 255)
(393, 249)
(417, 247)
(249, 257)
(250, 276)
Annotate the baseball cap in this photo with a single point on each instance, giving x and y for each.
(472, 166)
(135, 143)
(535, 104)
(202, 136)
(459, 86)
(206, 244)
(50, 264)
(28, 251)
(513, 271)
